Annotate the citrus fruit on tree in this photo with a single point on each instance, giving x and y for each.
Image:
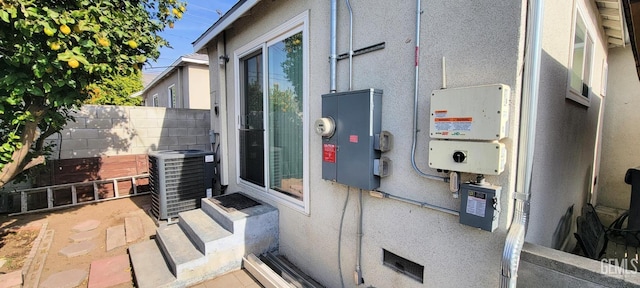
(65, 29)
(133, 44)
(73, 63)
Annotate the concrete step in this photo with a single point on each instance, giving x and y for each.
(239, 220)
(207, 235)
(218, 214)
(149, 265)
(181, 254)
(203, 245)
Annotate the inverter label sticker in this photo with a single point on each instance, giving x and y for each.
(329, 153)
(453, 124)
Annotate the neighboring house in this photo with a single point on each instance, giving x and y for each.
(268, 58)
(184, 84)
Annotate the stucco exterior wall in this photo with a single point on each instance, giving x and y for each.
(621, 142)
(197, 77)
(482, 44)
(125, 130)
(566, 131)
(162, 89)
(191, 84)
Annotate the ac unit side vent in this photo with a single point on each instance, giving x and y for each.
(402, 265)
(178, 180)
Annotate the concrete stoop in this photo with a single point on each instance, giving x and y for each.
(205, 243)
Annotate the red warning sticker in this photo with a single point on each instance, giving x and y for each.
(353, 138)
(329, 153)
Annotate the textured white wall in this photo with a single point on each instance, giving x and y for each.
(621, 140)
(162, 89)
(482, 43)
(197, 87)
(566, 131)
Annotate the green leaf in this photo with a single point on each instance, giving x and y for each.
(4, 15)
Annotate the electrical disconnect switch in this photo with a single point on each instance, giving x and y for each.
(479, 205)
(459, 156)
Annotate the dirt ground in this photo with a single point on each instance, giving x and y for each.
(109, 213)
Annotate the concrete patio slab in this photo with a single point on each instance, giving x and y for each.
(84, 236)
(65, 279)
(115, 237)
(87, 225)
(77, 249)
(109, 272)
(11, 279)
(133, 228)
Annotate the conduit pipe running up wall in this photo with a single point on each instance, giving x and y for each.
(529, 111)
(415, 101)
(333, 56)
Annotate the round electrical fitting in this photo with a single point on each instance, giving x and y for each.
(325, 127)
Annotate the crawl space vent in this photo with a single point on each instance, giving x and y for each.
(414, 270)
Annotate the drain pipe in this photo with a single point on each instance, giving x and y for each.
(415, 102)
(529, 111)
(333, 56)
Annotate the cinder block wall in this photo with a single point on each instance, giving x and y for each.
(125, 130)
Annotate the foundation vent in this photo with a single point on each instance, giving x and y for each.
(404, 266)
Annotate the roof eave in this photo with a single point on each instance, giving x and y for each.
(179, 62)
(223, 23)
(632, 15)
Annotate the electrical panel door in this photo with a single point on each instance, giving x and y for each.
(348, 154)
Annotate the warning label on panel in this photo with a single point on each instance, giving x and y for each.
(329, 153)
(453, 124)
(440, 113)
(476, 203)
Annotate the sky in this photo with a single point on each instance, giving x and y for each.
(200, 15)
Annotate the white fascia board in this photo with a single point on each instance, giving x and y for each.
(218, 27)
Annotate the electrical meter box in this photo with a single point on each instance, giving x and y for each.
(479, 206)
(350, 123)
(470, 113)
(468, 156)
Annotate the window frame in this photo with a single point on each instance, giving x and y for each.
(297, 24)
(572, 93)
(155, 101)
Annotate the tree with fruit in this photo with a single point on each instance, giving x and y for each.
(53, 52)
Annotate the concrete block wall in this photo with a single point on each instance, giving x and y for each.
(125, 130)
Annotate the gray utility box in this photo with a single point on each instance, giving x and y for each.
(478, 206)
(348, 155)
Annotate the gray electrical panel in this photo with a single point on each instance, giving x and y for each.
(348, 154)
(479, 205)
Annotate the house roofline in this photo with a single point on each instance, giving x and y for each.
(632, 17)
(223, 23)
(178, 63)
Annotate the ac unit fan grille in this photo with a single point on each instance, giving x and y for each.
(177, 184)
